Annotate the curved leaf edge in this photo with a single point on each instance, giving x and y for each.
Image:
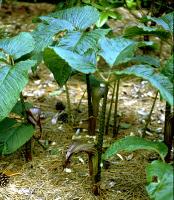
(132, 143)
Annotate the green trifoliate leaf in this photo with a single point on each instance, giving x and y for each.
(111, 49)
(166, 21)
(18, 46)
(80, 17)
(158, 80)
(145, 30)
(160, 180)
(119, 50)
(58, 66)
(132, 143)
(153, 61)
(84, 63)
(168, 69)
(12, 81)
(13, 135)
(44, 35)
(80, 42)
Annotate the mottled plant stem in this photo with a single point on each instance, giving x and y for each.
(169, 126)
(91, 122)
(101, 134)
(89, 93)
(150, 115)
(68, 104)
(168, 129)
(28, 144)
(110, 108)
(115, 127)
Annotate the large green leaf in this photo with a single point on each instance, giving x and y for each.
(60, 69)
(166, 21)
(132, 143)
(44, 33)
(158, 80)
(118, 50)
(18, 46)
(112, 48)
(168, 69)
(80, 42)
(7, 122)
(146, 59)
(13, 135)
(145, 30)
(18, 108)
(84, 63)
(80, 17)
(160, 180)
(12, 81)
(69, 19)
(57, 23)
